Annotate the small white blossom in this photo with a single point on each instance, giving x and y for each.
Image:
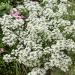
(42, 38)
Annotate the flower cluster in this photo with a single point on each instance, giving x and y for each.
(42, 37)
(15, 13)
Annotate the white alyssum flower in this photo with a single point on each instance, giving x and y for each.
(64, 1)
(42, 39)
(37, 71)
(8, 26)
(8, 58)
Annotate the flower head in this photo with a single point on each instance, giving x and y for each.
(15, 13)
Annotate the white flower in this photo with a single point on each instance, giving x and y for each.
(64, 1)
(42, 38)
(8, 58)
(37, 71)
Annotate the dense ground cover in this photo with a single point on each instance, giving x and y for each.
(15, 68)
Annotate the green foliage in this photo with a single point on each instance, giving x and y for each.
(6, 69)
(4, 8)
(4, 1)
(24, 12)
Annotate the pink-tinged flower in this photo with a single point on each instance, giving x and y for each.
(1, 50)
(15, 13)
(19, 17)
